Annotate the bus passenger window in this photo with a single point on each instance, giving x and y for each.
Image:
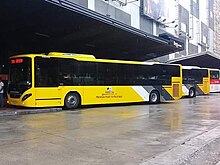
(46, 72)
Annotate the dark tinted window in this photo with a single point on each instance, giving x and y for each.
(46, 72)
(72, 72)
(107, 74)
(194, 76)
(69, 72)
(20, 77)
(20, 72)
(204, 72)
(87, 73)
(214, 74)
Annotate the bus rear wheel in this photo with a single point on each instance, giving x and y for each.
(192, 92)
(154, 97)
(72, 101)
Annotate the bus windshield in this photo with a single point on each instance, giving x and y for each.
(214, 74)
(20, 74)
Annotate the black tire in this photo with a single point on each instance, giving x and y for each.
(72, 101)
(192, 93)
(154, 97)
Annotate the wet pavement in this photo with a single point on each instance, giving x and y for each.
(12, 111)
(183, 132)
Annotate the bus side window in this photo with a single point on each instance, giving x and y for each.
(69, 72)
(87, 72)
(46, 72)
(106, 74)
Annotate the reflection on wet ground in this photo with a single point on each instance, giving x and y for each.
(115, 134)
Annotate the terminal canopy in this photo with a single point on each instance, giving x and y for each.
(204, 59)
(42, 26)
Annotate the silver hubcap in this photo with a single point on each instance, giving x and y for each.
(71, 100)
(153, 97)
(191, 93)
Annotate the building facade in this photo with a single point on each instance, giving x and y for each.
(192, 21)
(216, 45)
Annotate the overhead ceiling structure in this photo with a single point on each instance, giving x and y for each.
(203, 59)
(42, 26)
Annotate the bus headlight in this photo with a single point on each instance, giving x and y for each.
(26, 96)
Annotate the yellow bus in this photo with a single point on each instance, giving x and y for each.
(196, 81)
(70, 80)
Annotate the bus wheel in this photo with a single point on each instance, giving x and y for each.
(154, 97)
(72, 101)
(192, 92)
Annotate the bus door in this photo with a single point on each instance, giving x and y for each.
(47, 88)
(206, 81)
(205, 87)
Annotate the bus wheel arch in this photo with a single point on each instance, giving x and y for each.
(192, 92)
(72, 100)
(154, 96)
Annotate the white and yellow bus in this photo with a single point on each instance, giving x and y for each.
(196, 81)
(71, 80)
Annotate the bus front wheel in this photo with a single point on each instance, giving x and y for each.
(154, 97)
(192, 92)
(72, 101)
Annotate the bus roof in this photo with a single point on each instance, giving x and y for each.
(213, 69)
(86, 57)
(191, 67)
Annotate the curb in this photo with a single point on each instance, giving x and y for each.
(187, 150)
(28, 111)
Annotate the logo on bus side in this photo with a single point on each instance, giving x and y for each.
(109, 90)
(109, 93)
